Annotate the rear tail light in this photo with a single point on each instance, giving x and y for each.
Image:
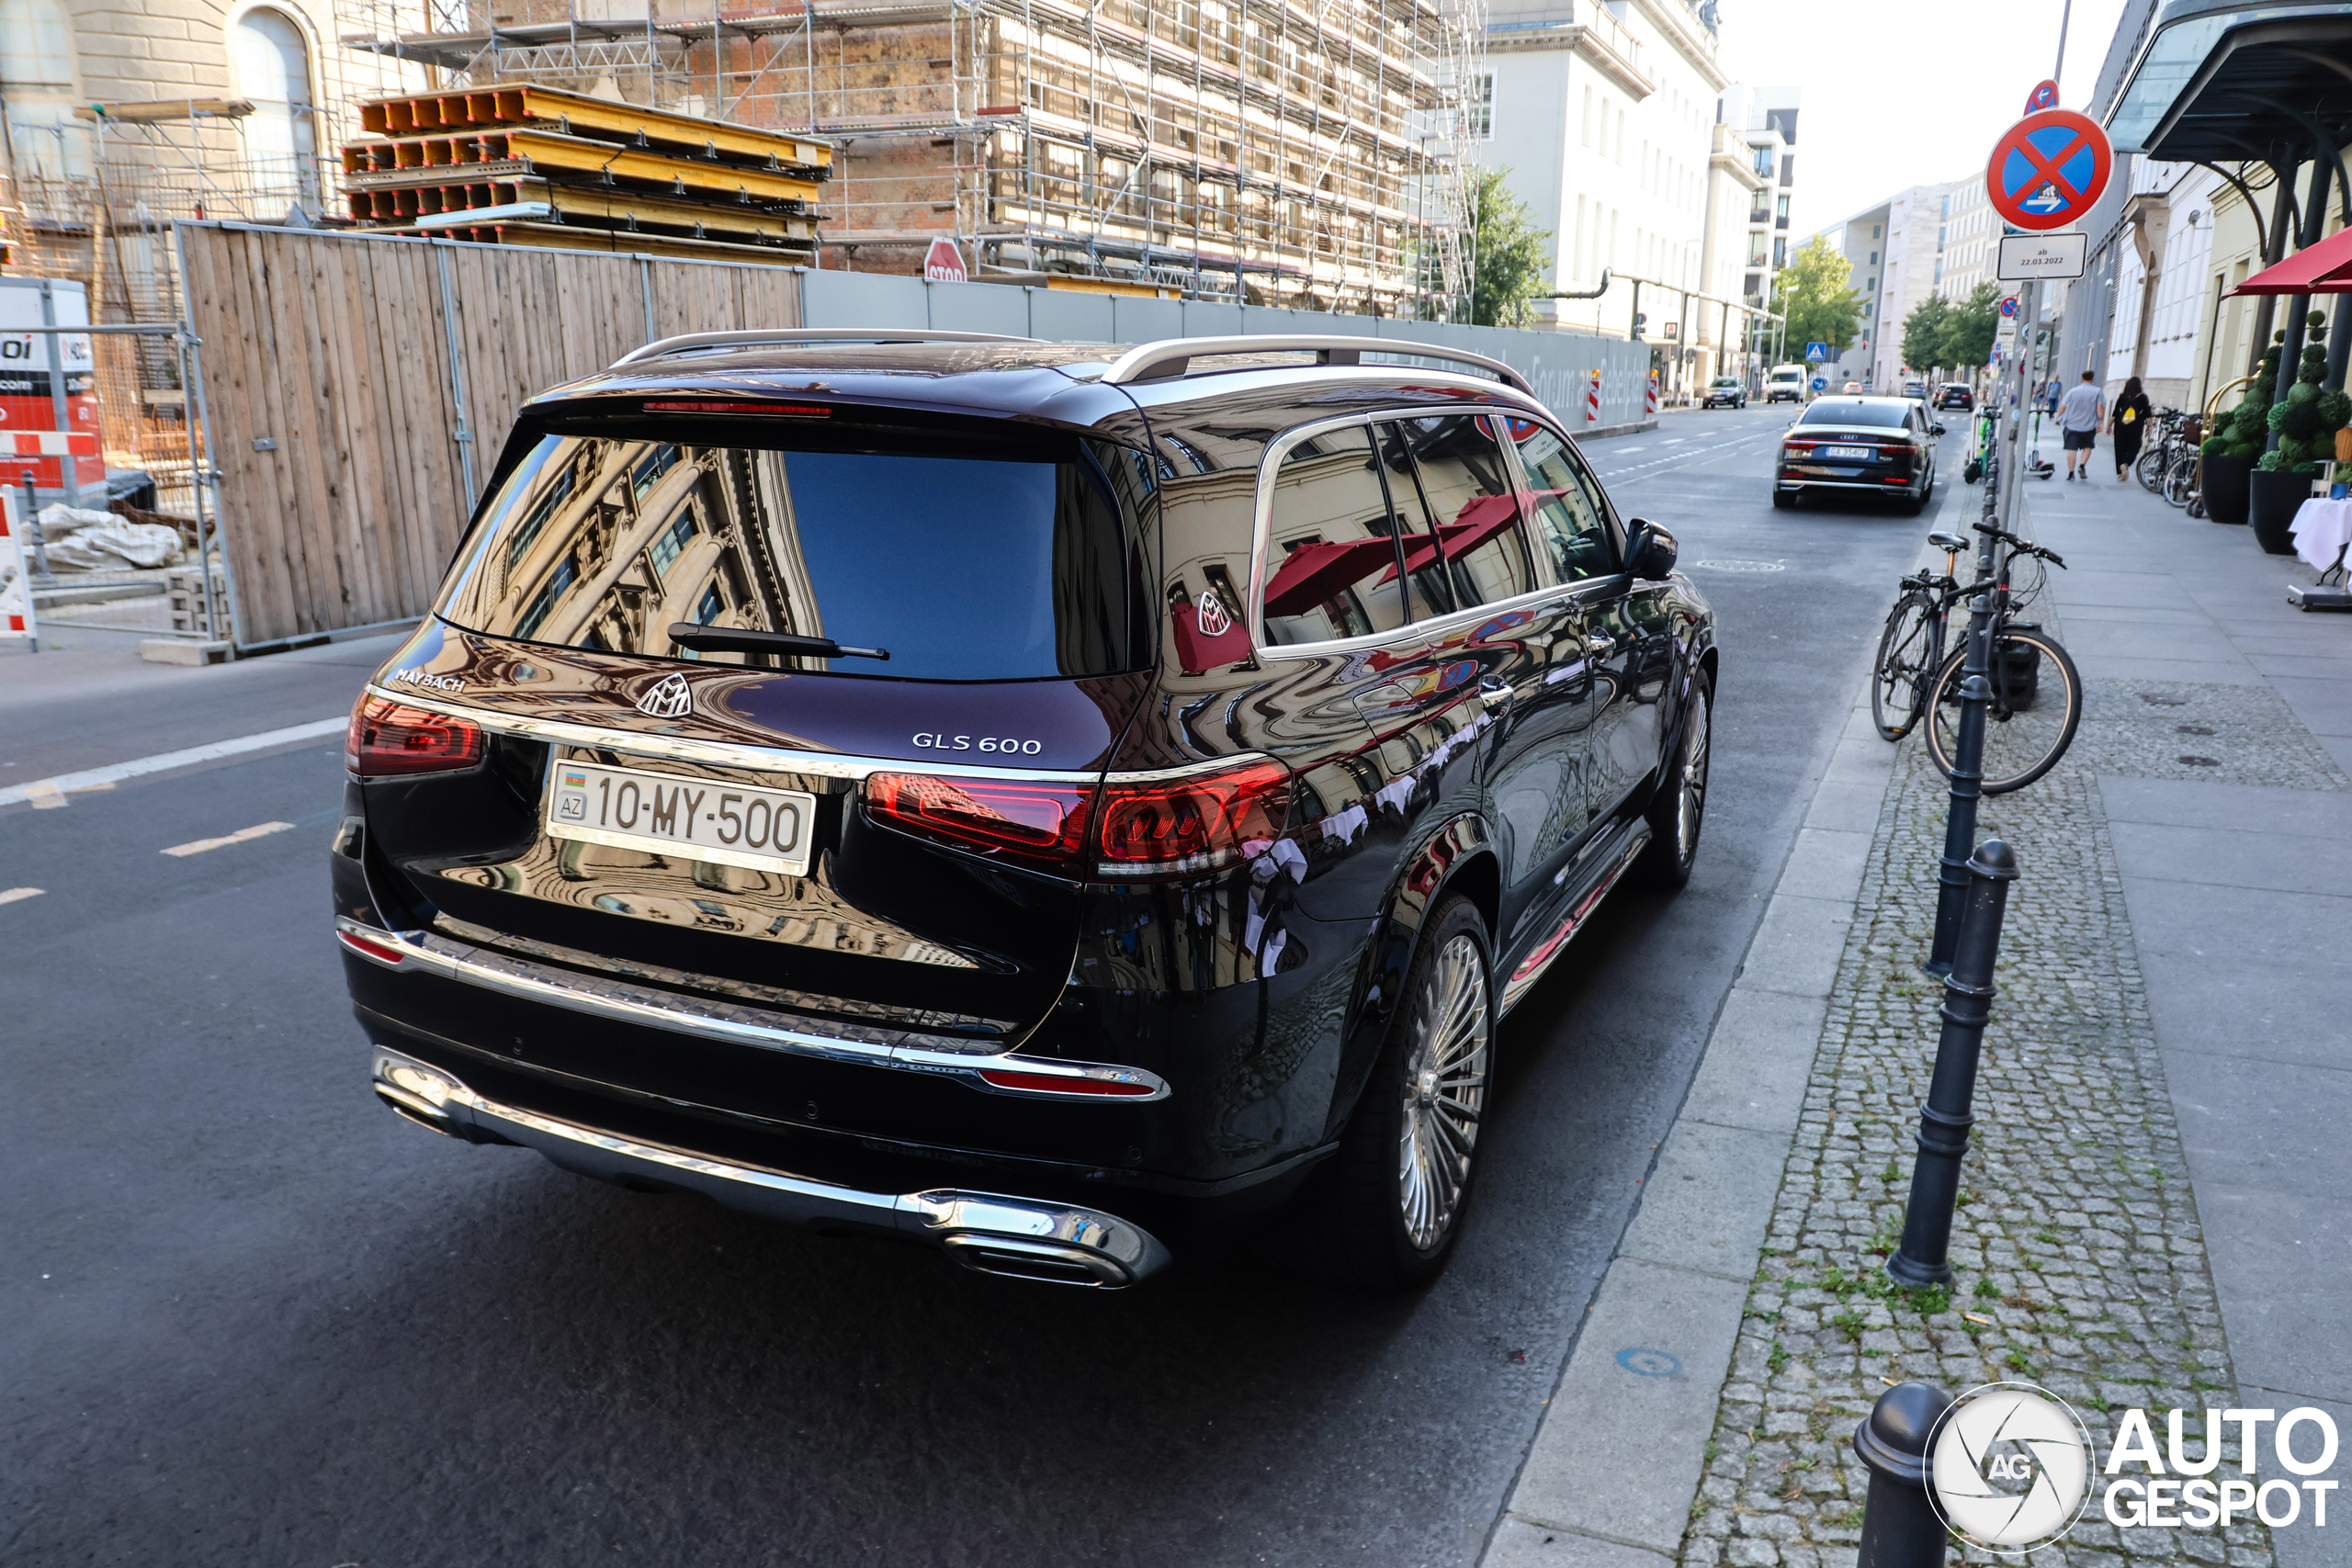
(390, 737)
(1201, 822)
(1040, 821)
(1124, 831)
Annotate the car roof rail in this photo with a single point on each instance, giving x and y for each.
(1173, 358)
(748, 337)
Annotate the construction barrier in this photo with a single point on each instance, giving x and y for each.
(357, 387)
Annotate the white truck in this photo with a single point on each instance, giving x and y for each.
(1784, 383)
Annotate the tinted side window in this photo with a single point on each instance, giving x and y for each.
(1464, 485)
(1331, 561)
(1428, 582)
(1571, 539)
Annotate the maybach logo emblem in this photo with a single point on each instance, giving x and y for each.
(1210, 617)
(669, 697)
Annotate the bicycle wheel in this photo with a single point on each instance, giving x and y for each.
(2150, 469)
(1899, 677)
(2180, 478)
(2036, 702)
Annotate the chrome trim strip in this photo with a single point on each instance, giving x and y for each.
(761, 1029)
(994, 1232)
(764, 758)
(1545, 953)
(1262, 540)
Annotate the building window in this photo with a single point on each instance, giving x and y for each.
(1874, 253)
(1788, 171)
(1874, 231)
(37, 80)
(272, 67)
(1479, 107)
(1585, 139)
(1764, 161)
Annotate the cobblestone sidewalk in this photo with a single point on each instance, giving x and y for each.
(2080, 1263)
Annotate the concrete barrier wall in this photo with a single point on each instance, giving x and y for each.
(1557, 363)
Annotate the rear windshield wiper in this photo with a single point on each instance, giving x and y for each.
(743, 639)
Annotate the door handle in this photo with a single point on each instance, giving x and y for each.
(1600, 645)
(1495, 694)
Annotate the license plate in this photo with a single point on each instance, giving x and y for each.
(1863, 452)
(764, 830)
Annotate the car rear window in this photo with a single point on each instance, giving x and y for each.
(1854, 410)
(1019, 560)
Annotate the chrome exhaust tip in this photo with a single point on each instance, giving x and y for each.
(1046, 1242)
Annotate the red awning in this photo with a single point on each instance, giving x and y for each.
(1480, 519)
(2323, 268)
(1313, 573)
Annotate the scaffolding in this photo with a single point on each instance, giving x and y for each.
(1296, 153)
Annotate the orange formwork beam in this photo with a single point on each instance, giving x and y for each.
(522, 104)
(542, 151)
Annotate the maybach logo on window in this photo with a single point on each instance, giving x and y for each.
(2011, 1465)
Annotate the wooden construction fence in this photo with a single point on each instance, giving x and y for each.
(357, 391)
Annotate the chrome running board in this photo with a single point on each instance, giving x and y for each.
(1530, 968)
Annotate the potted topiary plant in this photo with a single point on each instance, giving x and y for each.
(2282, 481)
(2236, 442)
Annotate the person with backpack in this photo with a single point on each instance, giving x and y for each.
(2130, 425)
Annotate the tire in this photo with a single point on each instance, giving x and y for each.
(1677, 811)
(2150, 469)
(2026, 730)
(1899, 673)
(2180, 479)
(1390, 1203)
(1783, 500)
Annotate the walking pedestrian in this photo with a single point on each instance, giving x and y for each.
(2081, 412)
(2130, 426)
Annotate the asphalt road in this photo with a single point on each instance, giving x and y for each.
(257, 1319)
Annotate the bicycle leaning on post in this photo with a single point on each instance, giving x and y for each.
(2167, 465)
(2032, 718)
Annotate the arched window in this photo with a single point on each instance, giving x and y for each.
(36, 77)
(272, 67)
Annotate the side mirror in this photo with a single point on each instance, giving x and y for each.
(1650, 551)
(1937, 429)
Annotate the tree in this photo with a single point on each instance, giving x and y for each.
(1927, 333)
(1811, 292)
(1511, 257)
(1974, 323)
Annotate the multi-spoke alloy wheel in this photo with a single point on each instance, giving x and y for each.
(1384, 1211)
(1679, 807)
(1443, 1090)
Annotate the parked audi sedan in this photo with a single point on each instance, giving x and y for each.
(1956, 395)
(1874, 445)
(1049, 804)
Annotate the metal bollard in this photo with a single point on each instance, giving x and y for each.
(1967, 789)
(1900, 1529)
(1944, 1120)
(32, 532)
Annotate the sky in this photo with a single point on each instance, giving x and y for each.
(1905, 92)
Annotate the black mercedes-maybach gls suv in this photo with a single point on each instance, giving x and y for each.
(1047, 802)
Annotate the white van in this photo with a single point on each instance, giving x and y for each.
(1785, 384)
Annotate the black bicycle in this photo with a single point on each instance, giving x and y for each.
(2028, 727)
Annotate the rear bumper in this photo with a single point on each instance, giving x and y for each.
(992, 1232)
